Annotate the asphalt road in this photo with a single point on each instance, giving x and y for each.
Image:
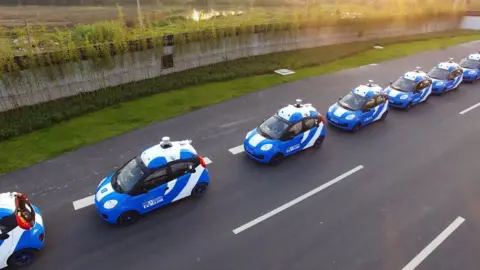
(419, 174)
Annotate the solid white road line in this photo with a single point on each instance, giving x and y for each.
(82, 203)
(434, 244)
(237, 149)
(469, 109)
(90, 200)
(295, 201)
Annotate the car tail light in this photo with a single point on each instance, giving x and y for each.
(202, 162)
(322, 119)
(24, 212)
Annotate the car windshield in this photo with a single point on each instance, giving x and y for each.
(404, 85)
(128, 176)
(438, 73)
(273, 127)
(469, 63)
(352, 102)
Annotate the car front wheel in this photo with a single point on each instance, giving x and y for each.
(21, 258)
(128, 218)
(199, 189)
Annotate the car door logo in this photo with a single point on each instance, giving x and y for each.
(293, 148)
(152, 202)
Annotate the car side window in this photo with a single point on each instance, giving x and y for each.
(370, 103)
(421, 85)
(181, 168)
(310, 123)
(156, 179)
(295, 130)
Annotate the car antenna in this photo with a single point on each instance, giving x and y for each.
(450, 59)
(417, 69)
(298, 103)
(165, 143)
(370, 82)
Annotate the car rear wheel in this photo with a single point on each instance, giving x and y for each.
(276, 159)
(318, 142)
(384, 115)
(21, 258)
(199, 189)
(128, 218)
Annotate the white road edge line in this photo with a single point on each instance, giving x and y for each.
(237, 149)
(82, 203)
(295, 201)
(434, 244)
(469, 109)
(90, 200)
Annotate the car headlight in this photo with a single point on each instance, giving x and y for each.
(350, 117)
(439, 83)
(471, 72)
(110, 204)
(330, 109)
(266, 147)
(404, 97)
(248, 134)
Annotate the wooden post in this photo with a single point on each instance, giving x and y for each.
(139, 11)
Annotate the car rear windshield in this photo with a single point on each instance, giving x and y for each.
(128, 176)
(352, 102)
(404, 85)
(438, 73)
(469, 63)
(273, 128)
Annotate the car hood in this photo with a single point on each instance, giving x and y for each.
(105, 191)
(437, 82)
(338, 112)
(465, 70)
(395, 94)
(255, 140)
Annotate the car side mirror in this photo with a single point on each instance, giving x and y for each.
(4, 236)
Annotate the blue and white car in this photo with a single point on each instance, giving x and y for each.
(446, 76)
(22, 233)
(471, 67)
(161, 175)
(410, 89)
(292, 129)
(365, 104)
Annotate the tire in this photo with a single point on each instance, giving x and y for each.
(384, 116)
(22, 258)
(318, 143)
(128, 218)
(276, 159)
(357, 127)
(199, 189)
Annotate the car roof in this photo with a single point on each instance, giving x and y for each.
(298, 111)
(449, 65)
(367, 90)
(167, 151)
(474, 56)
(7, 203)
(416, 75)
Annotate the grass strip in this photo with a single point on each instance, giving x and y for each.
(35, 147)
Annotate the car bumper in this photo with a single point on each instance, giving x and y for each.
(401, 104)
(341, 124)
(469, 78)
(259, 156)
(109, 216)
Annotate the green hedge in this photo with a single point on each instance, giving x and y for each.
(30, 118)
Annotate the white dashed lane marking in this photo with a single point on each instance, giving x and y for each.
(237, 149)
(295, 201)
(469, 109)
(434, 244)
(90, 200)
(85, 202)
